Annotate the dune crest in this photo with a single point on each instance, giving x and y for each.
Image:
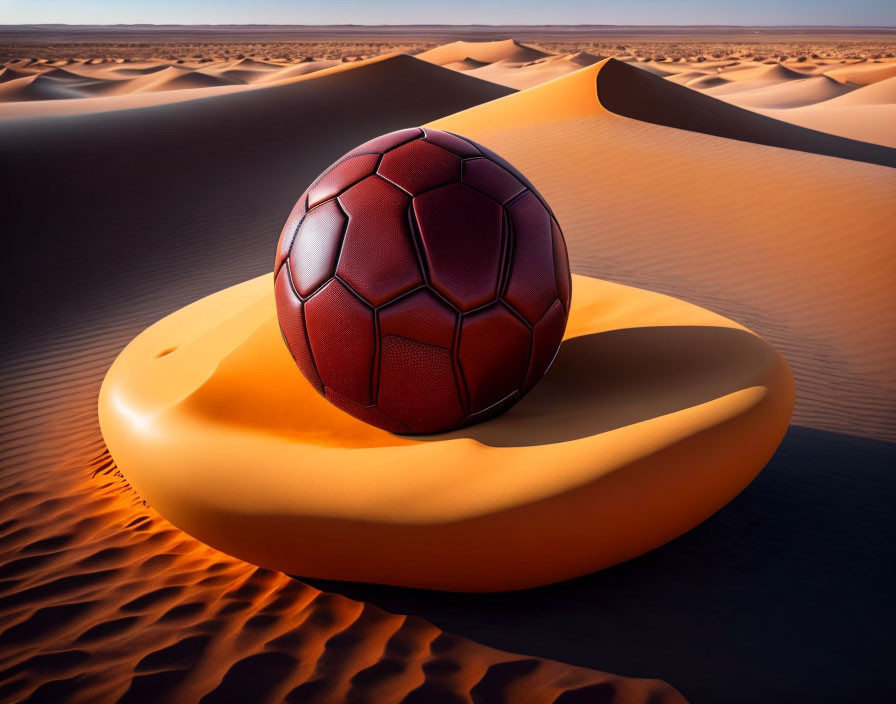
(482, 52)
(728, 224)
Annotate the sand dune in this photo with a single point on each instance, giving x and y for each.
(101, 599)
(865, 73)
(734, 226)
(483, 52)
(805, 91)
(77, 80)
(768, 87)
(628, 91)
(507, 62)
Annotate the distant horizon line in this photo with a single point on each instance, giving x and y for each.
(474, 24)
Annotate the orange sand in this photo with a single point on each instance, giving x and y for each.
(798, 244)
(102, 599)
(654, 415)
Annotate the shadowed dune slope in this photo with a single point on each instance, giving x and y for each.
(628, 91)
(795, 245)
(101, 600)
(211, 179)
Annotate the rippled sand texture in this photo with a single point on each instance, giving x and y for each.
(121, 217)
(102, 600)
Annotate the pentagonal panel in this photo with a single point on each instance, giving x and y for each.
(486, 176)
(292, 324)
(288, 233)
(369, 414)
(418, 386)
(341, 333)
(341, 176)
(385, 142)
(461, 232)
(452, 143)
(418, 166)
(561, 266)
(312, 259)
(421, 317)
(494, 355)
(546, 337)
(378, 258)
(531, 288)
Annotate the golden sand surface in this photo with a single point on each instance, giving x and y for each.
(808, 262)
(654, 415)
(124, 216)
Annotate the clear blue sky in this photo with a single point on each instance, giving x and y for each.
(739, 12)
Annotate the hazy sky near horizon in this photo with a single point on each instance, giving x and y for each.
(645, 12)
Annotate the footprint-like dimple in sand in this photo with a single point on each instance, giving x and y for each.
(654, 415)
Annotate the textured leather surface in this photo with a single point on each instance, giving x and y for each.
(422, 283)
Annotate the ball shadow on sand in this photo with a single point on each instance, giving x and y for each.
(784, 591)
(608, 380)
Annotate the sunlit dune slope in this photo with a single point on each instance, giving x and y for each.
(482, 52)
(28, 91)
(797, 245)
(507, 62)
(866, 113)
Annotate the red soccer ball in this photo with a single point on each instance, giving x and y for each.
(422, 283)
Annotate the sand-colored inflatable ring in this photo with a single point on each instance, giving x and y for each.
(655, 414)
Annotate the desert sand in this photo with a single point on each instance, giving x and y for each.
(786, 590)
(798, 281)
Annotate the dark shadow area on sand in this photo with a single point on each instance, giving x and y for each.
(612, 379)
(632, 92)
(785, 595)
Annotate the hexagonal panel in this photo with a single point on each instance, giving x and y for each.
(341, 333)
(421, 317)
(341, 176)
(494, 355)
(531, 288)
(292, 324)
(378, 258)
(417, 385)
(546, 337)
(418, 166)
(288, 232)
(486, 176)
(452, 143)
(385, 142)
(461, 231)
(312, 259)
(561, 266)
(369, 414)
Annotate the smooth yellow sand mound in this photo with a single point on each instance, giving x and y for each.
(797, 244)
(654, 415)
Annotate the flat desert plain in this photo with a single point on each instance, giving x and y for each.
(747, 171)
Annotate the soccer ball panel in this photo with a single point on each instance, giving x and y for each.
(461, 231)
(486, 176)
(531, 287)
(419, 166)
(493, 354)
(378, 259)
(312, 259)
(341, 332)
